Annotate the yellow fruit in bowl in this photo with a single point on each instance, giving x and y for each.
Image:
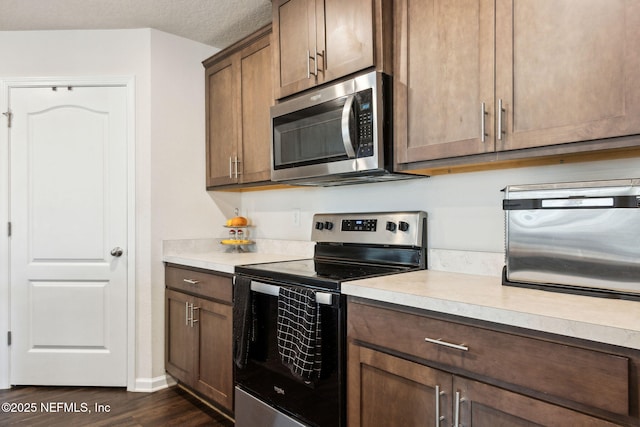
(238, 221)
(228, 223)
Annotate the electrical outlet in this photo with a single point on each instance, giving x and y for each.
(296, 217)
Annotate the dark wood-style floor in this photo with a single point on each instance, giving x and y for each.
(97, 406)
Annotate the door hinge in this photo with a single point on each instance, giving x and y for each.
(9, 229)
(9, 116)
(8, 337)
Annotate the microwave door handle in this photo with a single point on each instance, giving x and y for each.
(322, 298)
(346, 135)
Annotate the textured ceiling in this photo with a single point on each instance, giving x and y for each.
(217, 23)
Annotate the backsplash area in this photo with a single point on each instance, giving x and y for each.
(464, 210)
(469, 262)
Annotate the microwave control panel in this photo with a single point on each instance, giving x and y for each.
(364, 117)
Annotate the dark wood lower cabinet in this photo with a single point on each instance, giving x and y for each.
(214, 376)
(481, 405)
(180, 337)
(199, 327)
(394, 377)
(384, 390)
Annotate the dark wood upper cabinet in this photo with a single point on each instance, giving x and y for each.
(238, 97)
(478, 76)
(318, 41)
(567, 70)
(444, 74)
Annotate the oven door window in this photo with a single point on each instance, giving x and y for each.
(265, 376)
(315, 135)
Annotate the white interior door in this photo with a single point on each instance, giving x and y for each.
(68, 210)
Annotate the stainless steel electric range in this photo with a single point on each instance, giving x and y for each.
(290, 317)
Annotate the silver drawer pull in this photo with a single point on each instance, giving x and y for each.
(191, 281)
(447, 344)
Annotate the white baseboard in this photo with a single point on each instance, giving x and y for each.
(149, 385)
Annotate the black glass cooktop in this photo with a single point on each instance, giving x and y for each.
(310, 272)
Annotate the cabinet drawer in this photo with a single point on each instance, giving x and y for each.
(580, 375)
(199, 283)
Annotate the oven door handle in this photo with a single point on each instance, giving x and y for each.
(323, 298)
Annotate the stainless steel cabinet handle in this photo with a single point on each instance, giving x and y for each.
(193, 319)
(191, 281)
(315, 61)
(117, 252)
(456, 417)
(439, 418)
(324, 62)
(186, 313)
(308, 66)
(233, 161)
(483, 131)
(447, 344)
(500, 111)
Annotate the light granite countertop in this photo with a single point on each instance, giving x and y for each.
(610, 321)
(478, 296)
(209, 254)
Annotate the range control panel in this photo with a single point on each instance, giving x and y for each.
(381, 228)
(359, 224)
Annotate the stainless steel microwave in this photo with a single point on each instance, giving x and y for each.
(340, 134)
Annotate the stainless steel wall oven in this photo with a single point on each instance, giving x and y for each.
(290, 317)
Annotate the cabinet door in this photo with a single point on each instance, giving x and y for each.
(567, 70)
(257, 97)
(294, 32)
(344, 37)
(222, 113)
(214, 373)
(180, 337)
(443, 75)
(482, 405)
(384, 390)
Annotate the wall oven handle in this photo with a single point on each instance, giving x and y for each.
(323, 298)
(346, 135)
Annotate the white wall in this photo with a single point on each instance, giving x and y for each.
(465, 210)
(169, 137)
(180, 206)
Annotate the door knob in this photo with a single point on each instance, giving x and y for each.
(117, 252)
